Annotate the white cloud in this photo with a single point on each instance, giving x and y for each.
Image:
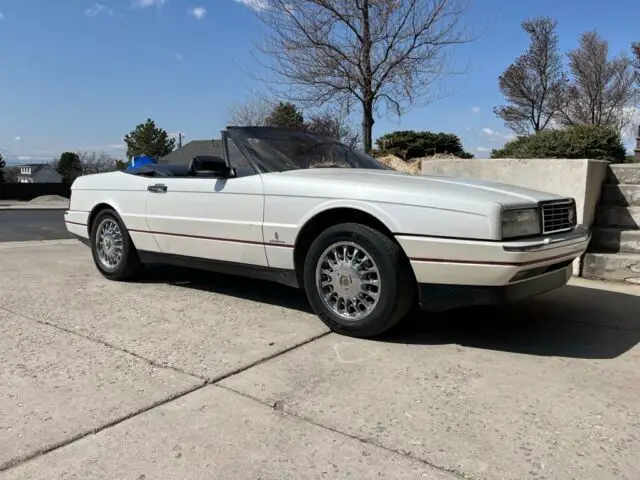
(497, 136)
(255, 4)
(97, 9)
(475, 109)
(17, 139)
(198, 12)
(24, 157)
(117, 146)
(1, 16)
(178, 57)
(483, 149)
(149, 3)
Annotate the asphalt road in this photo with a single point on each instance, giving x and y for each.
(28, 225)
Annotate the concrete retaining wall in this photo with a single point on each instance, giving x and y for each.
(580, 179)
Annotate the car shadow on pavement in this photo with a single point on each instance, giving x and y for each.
(240, 287)
(572, 322)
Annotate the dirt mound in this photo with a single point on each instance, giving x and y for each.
(413, 166)
(442, 156)
(49, 199)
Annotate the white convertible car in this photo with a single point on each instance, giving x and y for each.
(365, 242)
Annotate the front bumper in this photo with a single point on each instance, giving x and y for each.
(446, 261)
(439, 297)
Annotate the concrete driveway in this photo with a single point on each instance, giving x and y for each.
(190, 375)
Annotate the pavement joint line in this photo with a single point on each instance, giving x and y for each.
(238, 371)
(203, 382)
(153, 363)
(108, 345)
(455, 473)
(68, 441)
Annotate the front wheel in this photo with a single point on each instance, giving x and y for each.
(358, 280)
(113, 251)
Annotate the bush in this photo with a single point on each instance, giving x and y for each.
(408, 144)
(581, 141)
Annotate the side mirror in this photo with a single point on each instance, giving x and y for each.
(210, 165)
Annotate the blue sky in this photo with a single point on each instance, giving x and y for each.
(78, 74)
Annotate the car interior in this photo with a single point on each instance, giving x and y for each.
(200, 166)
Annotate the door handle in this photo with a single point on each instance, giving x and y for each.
(157, 188)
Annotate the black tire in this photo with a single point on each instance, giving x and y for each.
(397, 281)
(129, 263)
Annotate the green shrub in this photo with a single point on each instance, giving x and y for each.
(408, 144)
(581, 141)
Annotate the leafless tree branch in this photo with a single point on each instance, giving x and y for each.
(534, 82)
(254, 112)
(602, 88)
(361, 52)
(96, 162)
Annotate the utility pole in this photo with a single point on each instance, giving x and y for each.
(179, 139)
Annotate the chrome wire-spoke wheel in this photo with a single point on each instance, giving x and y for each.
(348, 281)
(109, 244)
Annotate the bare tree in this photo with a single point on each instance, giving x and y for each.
(635, 48)
(96, 162)
(602, 89)
(335, 125)
(534, 82)
(252, 113)
(3, 164)
(11, 174)
(361, 52)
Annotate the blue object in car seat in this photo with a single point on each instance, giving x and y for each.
(140, 160)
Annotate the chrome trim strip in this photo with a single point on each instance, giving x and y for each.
(578, 235)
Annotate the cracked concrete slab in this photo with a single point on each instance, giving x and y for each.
(55, 386)
(199, 322)
(530, 392)
(215, 433)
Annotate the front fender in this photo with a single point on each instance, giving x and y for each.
(367, 207)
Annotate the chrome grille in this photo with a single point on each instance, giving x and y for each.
(558, 216)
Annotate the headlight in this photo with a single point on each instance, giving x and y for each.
(520, 223)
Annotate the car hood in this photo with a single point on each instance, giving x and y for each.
(399, 187)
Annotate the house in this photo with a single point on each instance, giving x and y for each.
(183, 155)
(37, 173)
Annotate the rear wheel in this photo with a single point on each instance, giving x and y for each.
(113, 251)
(358, 280)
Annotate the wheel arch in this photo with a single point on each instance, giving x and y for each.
(333, 216)
(95, 211)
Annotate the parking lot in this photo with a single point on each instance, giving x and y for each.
(191, 375)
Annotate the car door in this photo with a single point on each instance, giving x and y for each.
(210, 218)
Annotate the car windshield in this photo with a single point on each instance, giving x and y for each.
(279, 149)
